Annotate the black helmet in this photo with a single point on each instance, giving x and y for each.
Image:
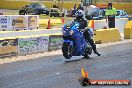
(109, 4)
(79, 14)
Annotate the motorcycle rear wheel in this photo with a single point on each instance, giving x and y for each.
(88, 51)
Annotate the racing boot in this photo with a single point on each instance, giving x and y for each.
(94, 47)
(96, 52)
(91, 42)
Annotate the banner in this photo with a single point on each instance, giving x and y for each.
(5, 22)
(8, 47)
(33, 22)
(18, 22)
(32, 45)
(55, 42)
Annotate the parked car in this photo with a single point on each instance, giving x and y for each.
(93, 12)
(98, 15)
(95, 16)
(34, 8)
(56, 12)
(121, 14)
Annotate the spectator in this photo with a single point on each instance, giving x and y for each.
(75, 9)
(110, 15)
(65, 12)
(80, 7)
(81, 4)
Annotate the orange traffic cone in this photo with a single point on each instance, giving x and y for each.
(93, 25)
(49, 25)
(62, 19)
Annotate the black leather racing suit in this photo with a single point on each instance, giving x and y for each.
(87, 36)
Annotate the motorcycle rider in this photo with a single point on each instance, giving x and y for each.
(83, 24)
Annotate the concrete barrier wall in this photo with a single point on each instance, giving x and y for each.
(99, 24)
(119, 23)
(32, 45)
(32, 22)
(8, 47)
(41, 43)
(107, 35)
(53, 22)
(24, 45)
(25, 22)
(44, 41)
(47, 42)
(18, 34)
(128, 30)
(55, 42)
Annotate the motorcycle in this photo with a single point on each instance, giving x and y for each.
(74, 43)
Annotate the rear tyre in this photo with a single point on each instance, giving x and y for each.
(67, 50)
(37, 12)
(22, 12)
(47, 13)
(88, 51)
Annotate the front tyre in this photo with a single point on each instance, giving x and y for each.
(36, 12)
(67, 50)
(22, 12)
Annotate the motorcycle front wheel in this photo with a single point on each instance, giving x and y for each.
(67, 50)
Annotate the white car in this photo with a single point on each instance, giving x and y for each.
(121, 14)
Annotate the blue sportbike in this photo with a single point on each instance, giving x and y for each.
(74, 43)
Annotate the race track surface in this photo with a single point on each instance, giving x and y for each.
(54, 72)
